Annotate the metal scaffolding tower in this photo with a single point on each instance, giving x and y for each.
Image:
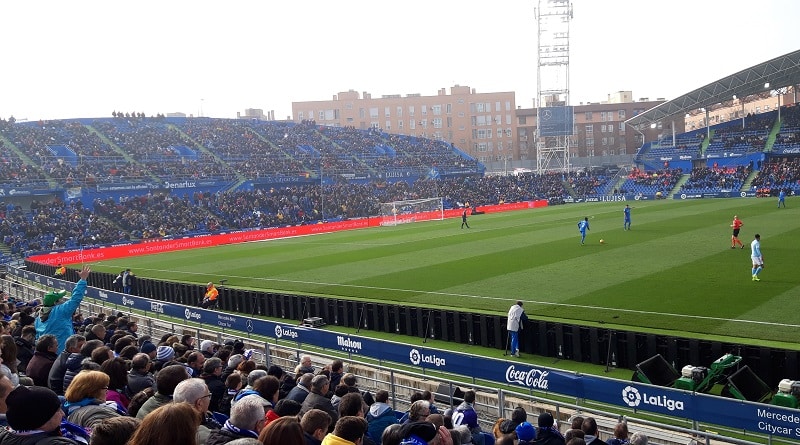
(554, 116)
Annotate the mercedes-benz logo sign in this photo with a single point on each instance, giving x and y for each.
(547, 114)
(631, 396)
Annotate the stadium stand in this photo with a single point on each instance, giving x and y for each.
(300, 171)
(709, 180)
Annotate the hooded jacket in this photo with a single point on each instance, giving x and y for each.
(380, 416)
(330, 439)
(57, 319)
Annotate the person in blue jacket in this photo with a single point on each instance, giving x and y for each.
(380, 416)
(55, 317)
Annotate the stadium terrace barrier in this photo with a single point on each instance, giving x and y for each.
(491, 403)
(720, 194)
(703, 408)
(650, 197)
(171, 245)
(618, 348)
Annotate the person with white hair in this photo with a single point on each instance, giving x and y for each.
(639, 439)
(249, 390)
(305, 366)
(233, 362)
(247, 419)
(207, 348)
(195, 392)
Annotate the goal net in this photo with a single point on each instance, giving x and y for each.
(402, 212)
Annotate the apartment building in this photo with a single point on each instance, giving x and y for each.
(599, 128)
(488, 126)
(481, 124)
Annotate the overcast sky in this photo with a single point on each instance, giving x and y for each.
(88, 58)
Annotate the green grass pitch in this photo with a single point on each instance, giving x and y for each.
(674, 271)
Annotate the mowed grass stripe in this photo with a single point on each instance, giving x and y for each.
(534, 263)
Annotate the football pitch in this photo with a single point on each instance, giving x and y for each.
(673, 273)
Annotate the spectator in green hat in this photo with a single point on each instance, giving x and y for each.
(56, 318)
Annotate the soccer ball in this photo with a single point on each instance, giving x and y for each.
(602, 241)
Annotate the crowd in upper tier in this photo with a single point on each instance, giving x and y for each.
(132, 148)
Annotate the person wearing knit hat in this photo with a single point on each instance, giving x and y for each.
(33, 414)
(526, 433)
(56, 319)
(545, 420)
(164, 353)
(144, 338)
(149, 349)
(519, 415)
(418, 433)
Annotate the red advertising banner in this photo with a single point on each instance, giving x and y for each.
(148, 247)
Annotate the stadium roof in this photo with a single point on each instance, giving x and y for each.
(777, 73)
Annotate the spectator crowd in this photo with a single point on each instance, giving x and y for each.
(58, 224)
(67, 378)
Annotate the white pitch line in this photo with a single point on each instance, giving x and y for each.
(481, 297)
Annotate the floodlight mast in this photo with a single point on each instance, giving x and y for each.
(552, 82)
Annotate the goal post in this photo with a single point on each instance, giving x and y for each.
(414, 210)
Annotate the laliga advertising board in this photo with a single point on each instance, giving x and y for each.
(732, 413)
